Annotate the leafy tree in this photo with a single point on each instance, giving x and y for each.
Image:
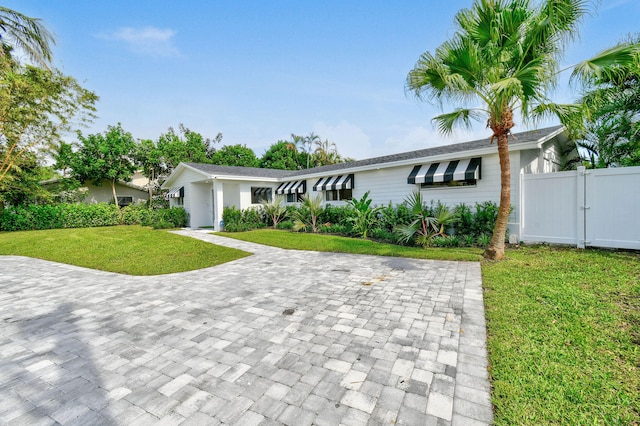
(63, 155)
(612, 130)
(504, 54)
(148, 156)
(105, 156)
(36, 107)
(24, 186)
(365, 216)
(186, 146)
(27, 34)
(281, 155)
(235, 155)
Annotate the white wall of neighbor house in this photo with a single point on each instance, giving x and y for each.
(104, 193)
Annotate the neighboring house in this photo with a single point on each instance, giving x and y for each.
(466, 172)
(128, 193)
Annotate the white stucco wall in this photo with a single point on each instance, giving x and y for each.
(104, 193)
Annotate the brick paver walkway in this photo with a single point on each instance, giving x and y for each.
(279, 337)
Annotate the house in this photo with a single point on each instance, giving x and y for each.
(128, 192)
(467, 172)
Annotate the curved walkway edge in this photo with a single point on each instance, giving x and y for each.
(279, 337)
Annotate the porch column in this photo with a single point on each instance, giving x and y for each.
(218, 203)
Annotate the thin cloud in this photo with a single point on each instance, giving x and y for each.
(146, 41)
(615, 4)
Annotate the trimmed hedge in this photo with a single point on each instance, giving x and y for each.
(54, 216)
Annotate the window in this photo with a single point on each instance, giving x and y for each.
(124, 201)
(450, 184)
(259, 194)
(294, 198)
(338, 195)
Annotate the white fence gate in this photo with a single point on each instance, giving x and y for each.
(599, 208)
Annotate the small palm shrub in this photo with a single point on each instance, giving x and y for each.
(306, 216)
(275, 210)
(427, 223)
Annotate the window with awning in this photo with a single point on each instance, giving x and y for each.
(333, 183)
(293, 187)
(462, 171)
(176, 192)
(336, 188)
(259, 194)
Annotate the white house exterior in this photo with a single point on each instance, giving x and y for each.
(466, 172)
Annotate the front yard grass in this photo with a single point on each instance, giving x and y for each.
(338, 244)
(563, 336)
(132, 250)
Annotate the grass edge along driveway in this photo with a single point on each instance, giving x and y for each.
(132, 250)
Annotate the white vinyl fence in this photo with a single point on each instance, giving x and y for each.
(598, 208)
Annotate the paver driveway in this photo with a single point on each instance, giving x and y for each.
(280, 337)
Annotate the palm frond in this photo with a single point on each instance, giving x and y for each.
(608, 64)
(460, 117)
(27, 34)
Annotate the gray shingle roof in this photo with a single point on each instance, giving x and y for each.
(517, 139)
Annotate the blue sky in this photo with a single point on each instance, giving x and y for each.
(258, 71)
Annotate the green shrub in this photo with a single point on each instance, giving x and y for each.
(477, 221)
(334, 228)
(483, 240)
(285, 224)
(175, 217)
(389, 217)
(446, 241)
(335, 214)
(384, 235)
(90, 215)
(236, 220)
(137, 214)
(50, 216)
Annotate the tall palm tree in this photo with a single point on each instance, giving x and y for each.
(25, 33)
(505, 54)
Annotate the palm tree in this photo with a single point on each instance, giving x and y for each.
(25, 33)
(505, 54)
(326, 153)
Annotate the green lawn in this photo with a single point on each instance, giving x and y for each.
(133, 250)
(337, 244)
(564, 335)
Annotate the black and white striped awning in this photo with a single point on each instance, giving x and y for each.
(293, 187)
(261, 191)
(334, 182)
(447, 171)
(176, 192)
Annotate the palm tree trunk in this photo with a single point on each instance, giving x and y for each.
(495, 251)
